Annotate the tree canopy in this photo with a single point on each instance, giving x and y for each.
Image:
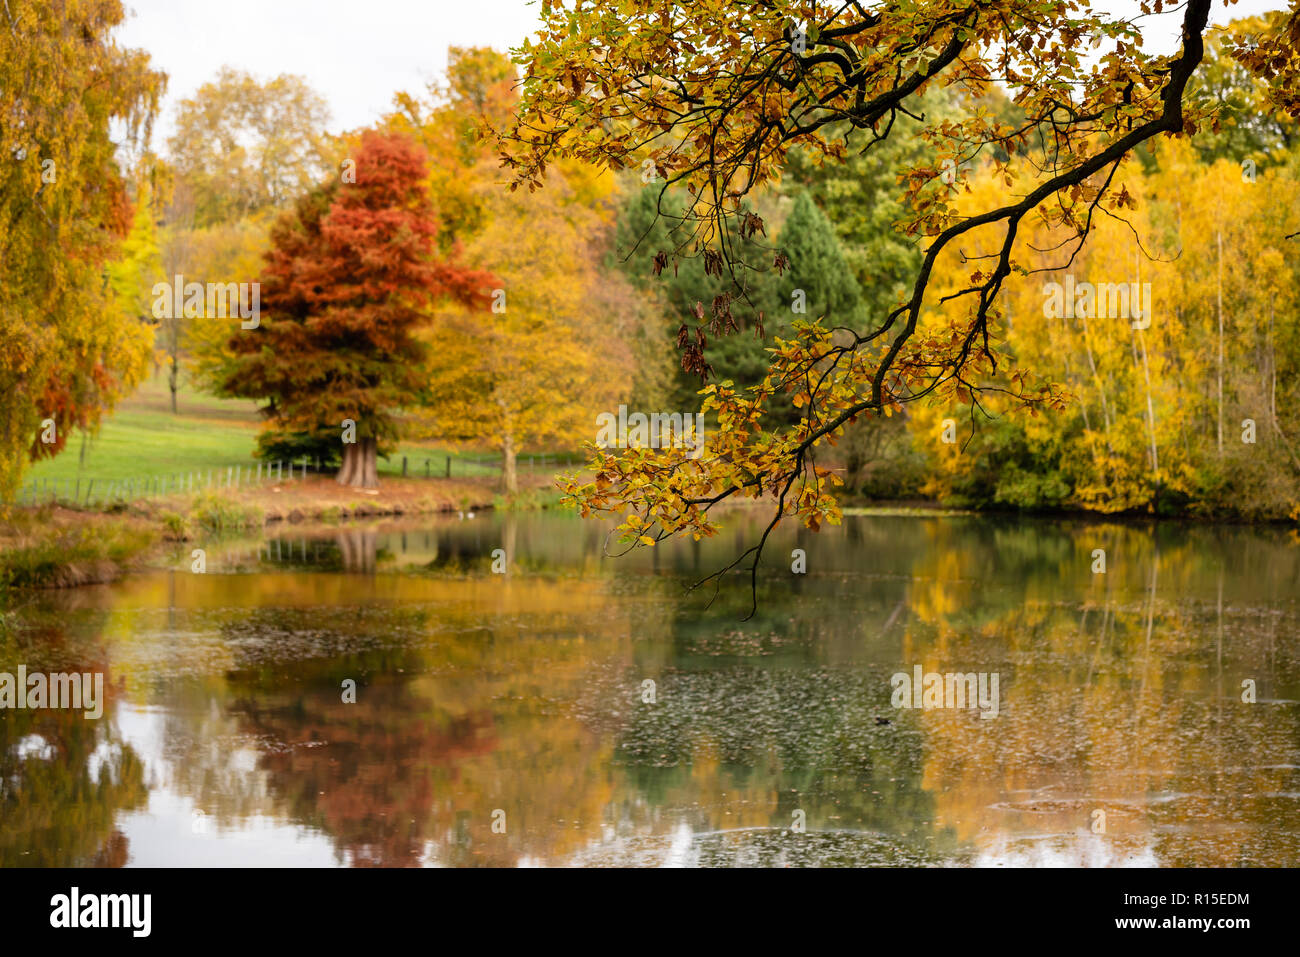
(68, 350)
(716, 95)
(352, 274)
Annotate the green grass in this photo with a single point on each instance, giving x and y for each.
(144, 440)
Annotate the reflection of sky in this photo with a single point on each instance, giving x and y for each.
(164, 834)
(34, 746)
(1082, 850)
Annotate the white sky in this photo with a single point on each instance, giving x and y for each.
(355, 53)
(358, 53)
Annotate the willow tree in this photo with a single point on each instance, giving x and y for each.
(713, 96)
(69, 97)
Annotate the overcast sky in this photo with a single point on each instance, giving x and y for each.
(358, 53)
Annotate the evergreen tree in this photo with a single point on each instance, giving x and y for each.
(817, 266)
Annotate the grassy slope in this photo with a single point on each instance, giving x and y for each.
(143, 439)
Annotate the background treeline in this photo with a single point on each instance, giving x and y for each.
(249, 180)
(582, 318)
(1199, 413)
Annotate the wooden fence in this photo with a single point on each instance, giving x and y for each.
(83, 490)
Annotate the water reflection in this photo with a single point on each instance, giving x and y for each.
(507, 718)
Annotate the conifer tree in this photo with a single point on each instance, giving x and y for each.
(352, 274)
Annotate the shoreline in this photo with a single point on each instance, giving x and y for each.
(55, 545)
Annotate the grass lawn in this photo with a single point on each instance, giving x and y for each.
(143, 440)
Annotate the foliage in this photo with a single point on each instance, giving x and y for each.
(351, 276)
(565, 335)
(1147, 427)
(216, 512)
(68, 350)
(40, 551)
(225, 252)
(242, 146)
(717, 95)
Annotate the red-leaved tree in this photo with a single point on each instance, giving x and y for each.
(352, 272)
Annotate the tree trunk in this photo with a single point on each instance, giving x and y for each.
(1101, 387)
(1140, 338)
(509, 475)
(1218, 237)
(171, 382)
(360, 464)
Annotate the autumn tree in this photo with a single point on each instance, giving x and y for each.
(226, 252)
(1247, 126)
(351, 276)
(67, 353)
(242, 145)
(716, 96)
(534, 372)
(568, 336)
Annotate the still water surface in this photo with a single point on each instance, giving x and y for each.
(1121, 735)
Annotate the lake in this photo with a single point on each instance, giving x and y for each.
(378, 695)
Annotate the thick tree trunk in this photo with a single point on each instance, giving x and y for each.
(358, 548)
(360, 464)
